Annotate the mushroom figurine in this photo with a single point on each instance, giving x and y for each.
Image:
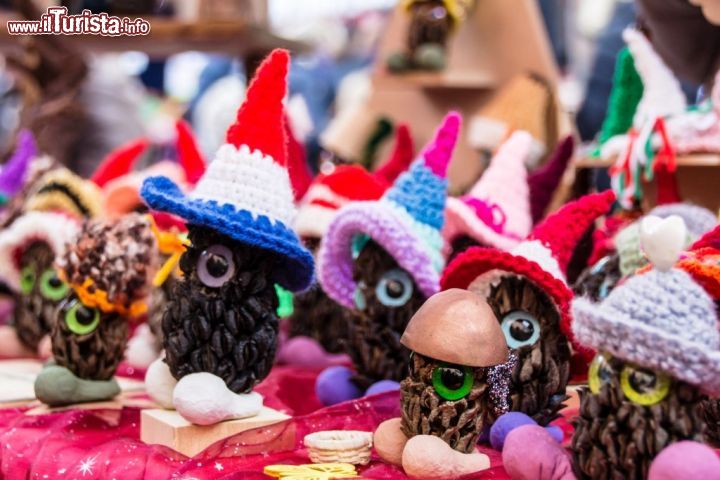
(220, 326)
(108, 268)
(658, 357)
(29, 248)
(527, 290)
(457, 386)
(381, 260)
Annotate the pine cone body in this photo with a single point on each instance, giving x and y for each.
(424, 412)
(34, 314)
(230, 331)
(615, 438)
(461, 243)
(597, 281)
(430, 23)
(158, 302)
(94, 355)
(541, 375)
(317, 316)
(374, 332)
(711, 414)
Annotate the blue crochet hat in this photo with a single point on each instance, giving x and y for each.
(245, 192)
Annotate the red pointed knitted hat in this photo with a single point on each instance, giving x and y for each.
(544, 181)
(119, 162)
(401, 157)
(300, 175)
(542, 258)
(188, 153)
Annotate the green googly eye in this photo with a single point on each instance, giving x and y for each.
(600, 373)
(27, 279)
(643, 386)
(51, 287)
(452, 382)
(82, 320)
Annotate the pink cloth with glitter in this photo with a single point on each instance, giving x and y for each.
(104, 444)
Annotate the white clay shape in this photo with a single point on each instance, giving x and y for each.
(662, 240)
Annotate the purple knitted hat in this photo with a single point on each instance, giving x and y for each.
(544, 181)
(14, 172)
(406, 222)
(662, 320)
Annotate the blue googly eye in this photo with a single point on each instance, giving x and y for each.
(359, 298)
(520, 328)
(604, 289)
(394, 288)
(599, 265)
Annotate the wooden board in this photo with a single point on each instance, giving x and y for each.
(167, 427)
(17, 378)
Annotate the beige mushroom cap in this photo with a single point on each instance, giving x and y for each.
(457, 326)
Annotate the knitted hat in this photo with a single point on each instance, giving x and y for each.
(527, 103)
(54, 229)
(298, 168)
(245, 193)
(542, 258)
(406, 222)
(544, 181)
(626, 92)
(14, 172)
(662, 320)
(61, 190)
(121, 185)
(698, 221)
(496, 210)
(349, 183)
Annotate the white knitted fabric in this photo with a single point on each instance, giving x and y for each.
(662, 95)
(54, 229)
(249, 181)
(534, 250)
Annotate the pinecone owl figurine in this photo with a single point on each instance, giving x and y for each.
(28, 250)
(381, 260)
(528, 293)
(109, 269)
(220, 326)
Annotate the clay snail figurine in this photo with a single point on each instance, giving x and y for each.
(109, 270)
(658, 356)
(457, 386)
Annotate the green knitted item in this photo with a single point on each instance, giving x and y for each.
(382, 131)
(624, 98)
(285, 302)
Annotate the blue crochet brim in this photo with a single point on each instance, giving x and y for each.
(295, 267)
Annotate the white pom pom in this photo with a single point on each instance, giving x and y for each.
(662, 240)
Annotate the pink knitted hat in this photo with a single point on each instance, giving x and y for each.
(496, 211)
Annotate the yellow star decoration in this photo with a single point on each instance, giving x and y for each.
(312, 471)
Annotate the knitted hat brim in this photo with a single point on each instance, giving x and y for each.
(478, 261)
(390, 230)
(294, 269)
(646, 346)
(461, 219)
(55, 229)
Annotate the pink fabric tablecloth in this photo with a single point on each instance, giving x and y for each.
(105, 444)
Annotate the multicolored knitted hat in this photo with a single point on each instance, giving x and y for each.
(662, 320)
(542, 258)
(406, 222)
(121, 184)
(13, 175)
(245, 192)
(60, 190)
(496, 210)
(54, 229)
(350, 183)
(545, 180)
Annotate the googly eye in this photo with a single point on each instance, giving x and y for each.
(82, 320)
(644, 386)
(605, 288)
(51, 287)
(215, 266)
(452, 382)
(27, 279)
(600, 372)
(359, 297)
(394, 288)
(520, 329)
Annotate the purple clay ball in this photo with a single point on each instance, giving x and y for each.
(506, 424)
(685, 460)
(383, 386)
(334, 385)
(556, 433)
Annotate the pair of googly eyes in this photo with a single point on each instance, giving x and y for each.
(51, 287)
(639, 385)
(215, 266)
(393, 290)
(80, 319)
